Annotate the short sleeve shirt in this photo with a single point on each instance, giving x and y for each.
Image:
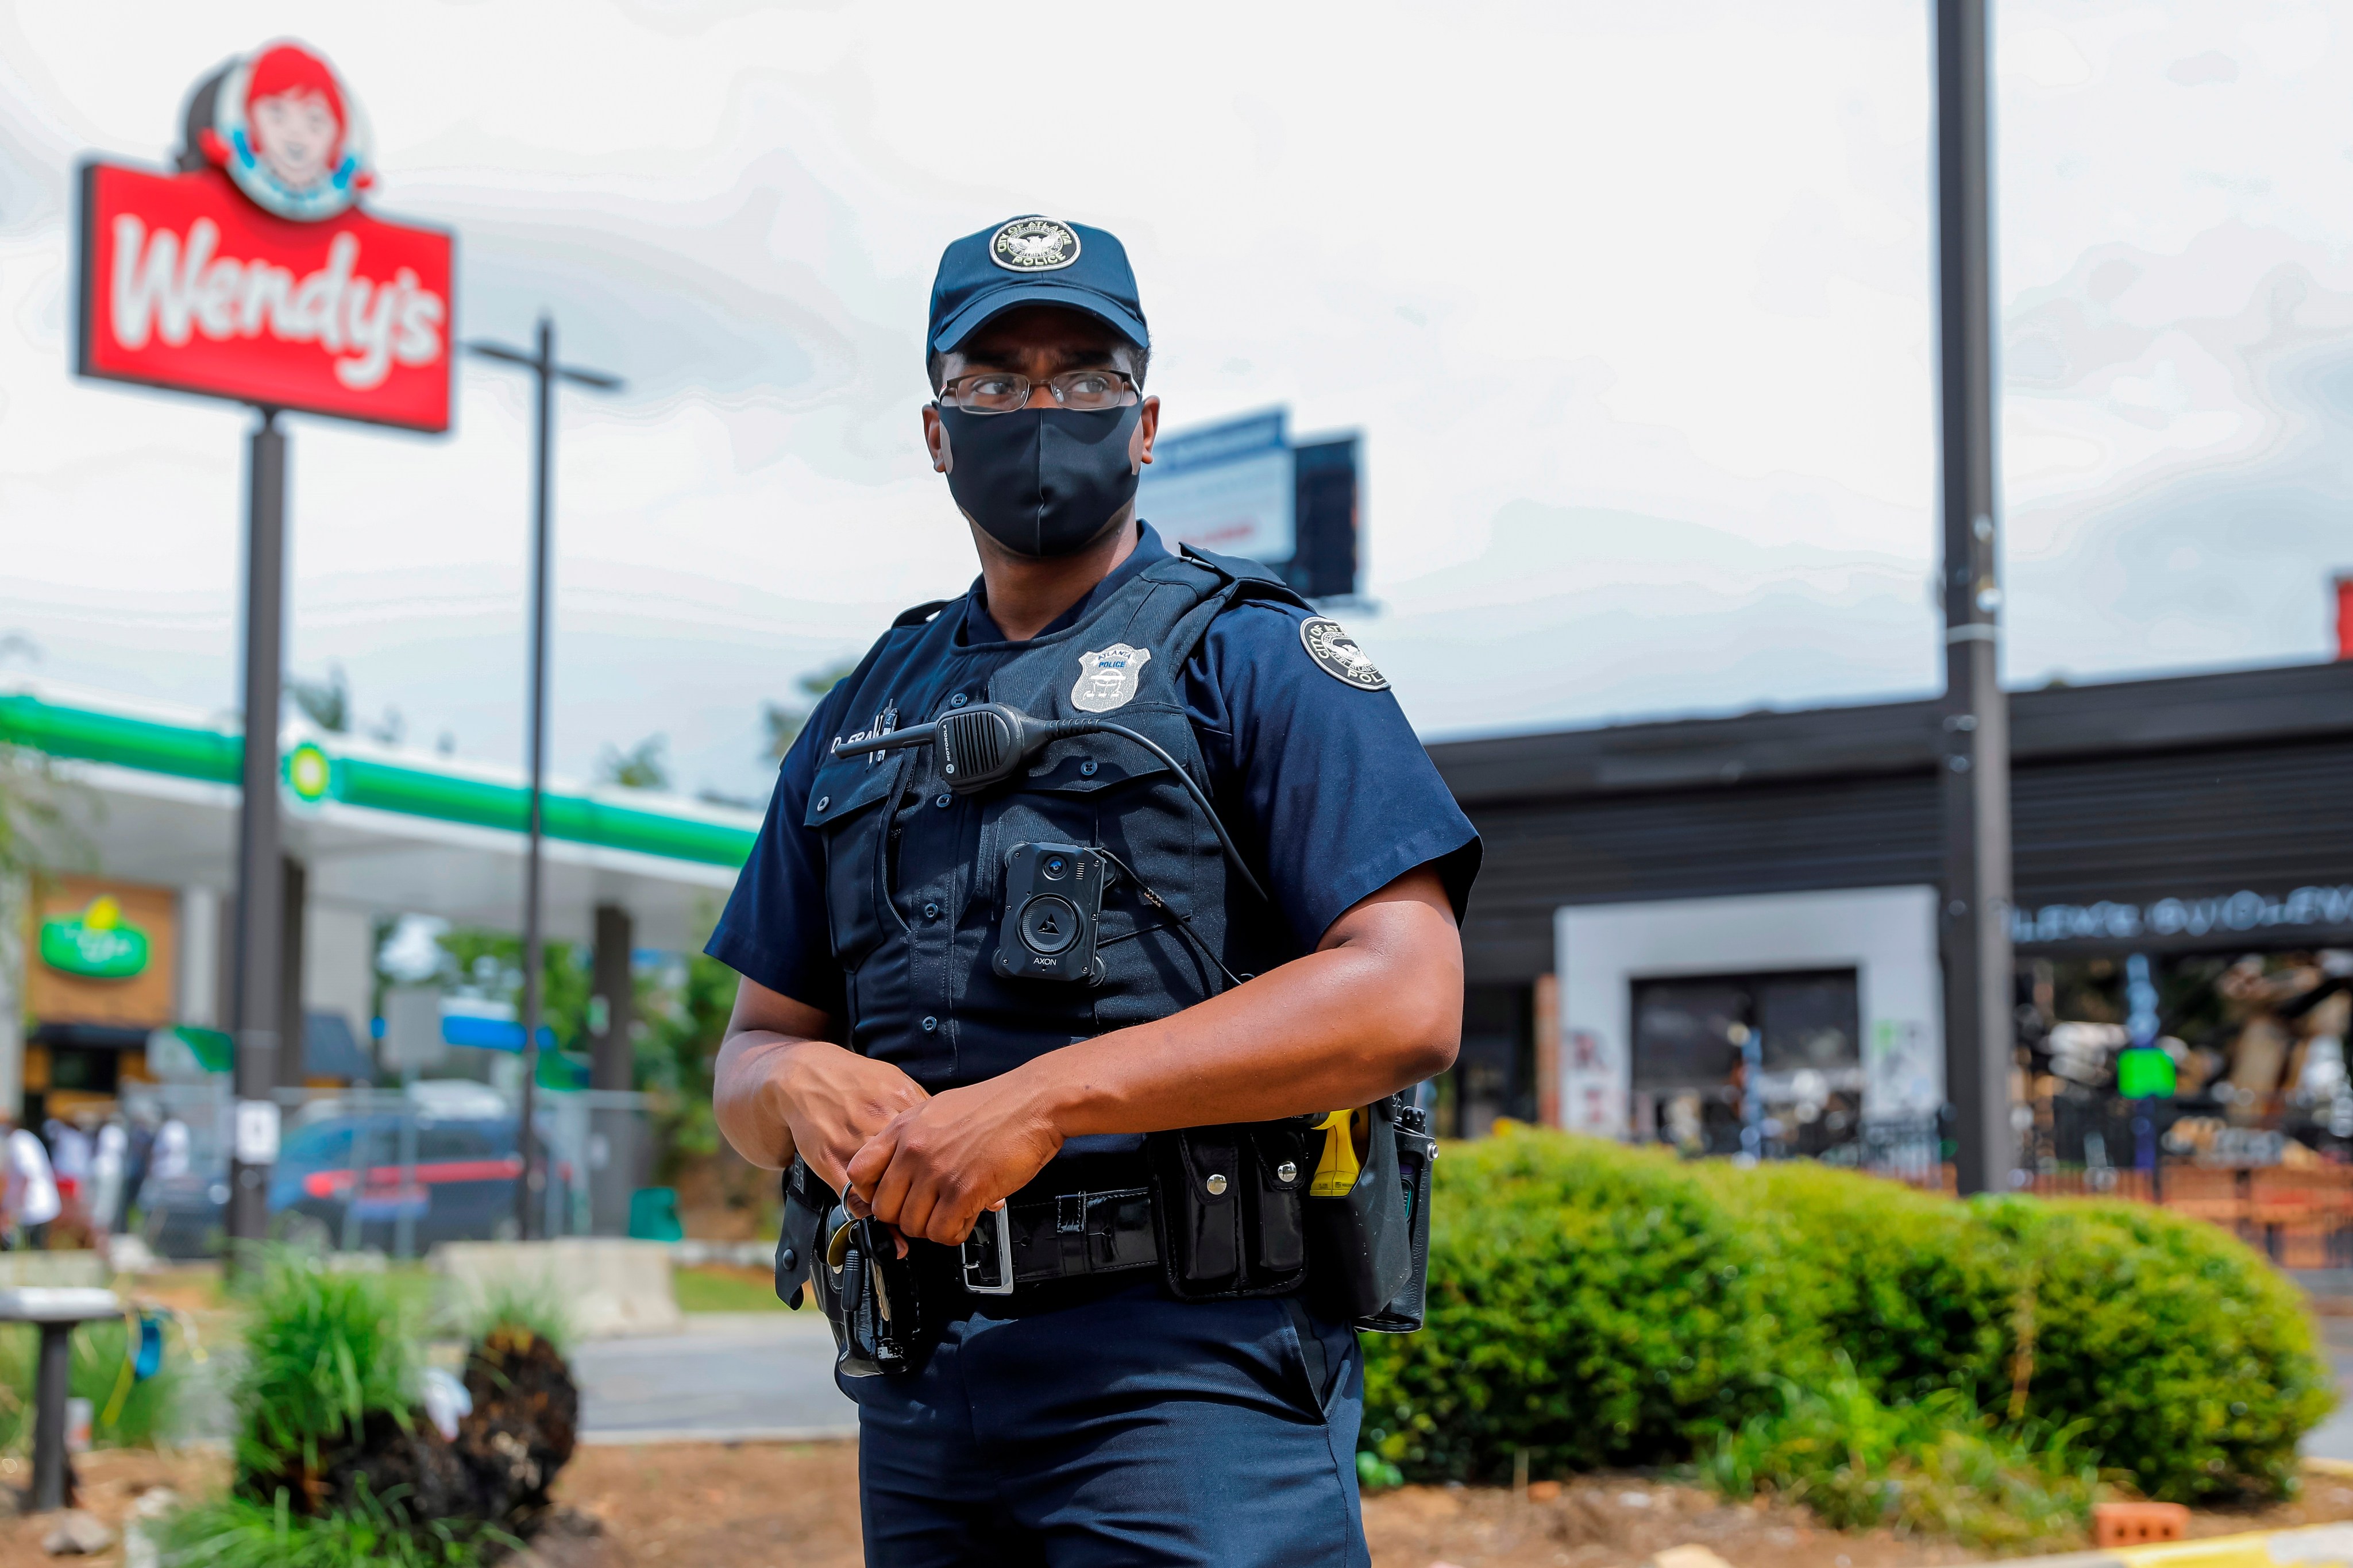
(1323, 784)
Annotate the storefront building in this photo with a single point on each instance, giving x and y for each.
(1668, 907)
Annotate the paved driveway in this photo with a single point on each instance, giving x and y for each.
(732, 1376)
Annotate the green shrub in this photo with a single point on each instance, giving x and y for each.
(1934, 1466)
(1598, 1305)
(1590, 1304)
(1911, 1289)
(323, 1352)
(2187, 1360)
(238, 1532)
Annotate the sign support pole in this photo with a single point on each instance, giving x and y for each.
(531, 1190)
(529, 1202)
(260, 935)
(1978, 1031)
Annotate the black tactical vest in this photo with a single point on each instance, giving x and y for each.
(915, 874)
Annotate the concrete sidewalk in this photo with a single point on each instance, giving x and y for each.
(730, 1378)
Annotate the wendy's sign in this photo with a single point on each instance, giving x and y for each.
(252, 274)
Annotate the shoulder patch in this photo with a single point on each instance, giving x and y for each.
(1335, 653)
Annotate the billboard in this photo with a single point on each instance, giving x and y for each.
(1229, 487)
(252, 273)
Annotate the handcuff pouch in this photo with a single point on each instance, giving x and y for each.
(1228, 1202)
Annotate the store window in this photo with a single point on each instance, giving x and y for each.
(1766, 1064)
(1495, 1074)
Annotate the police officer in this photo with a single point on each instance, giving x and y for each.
(1102, 1412)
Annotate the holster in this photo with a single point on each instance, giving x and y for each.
(871, 1296)
(1369, 1247)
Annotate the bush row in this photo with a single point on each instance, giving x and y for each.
(1596, 1305)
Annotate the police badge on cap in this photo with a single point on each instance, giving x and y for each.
(1108, 680)
(1034, 245)
(1335, 653)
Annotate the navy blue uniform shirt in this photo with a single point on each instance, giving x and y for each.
(1323, 785)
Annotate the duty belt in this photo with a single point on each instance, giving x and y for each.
(1065, 1237)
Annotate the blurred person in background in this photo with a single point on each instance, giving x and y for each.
(69, 1161)
(883, 1051)
(108, 1160)
(28, 1201)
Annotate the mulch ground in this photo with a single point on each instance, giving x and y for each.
(769, 1506)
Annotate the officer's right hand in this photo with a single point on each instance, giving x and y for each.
(833, 1101)
(781, 1087)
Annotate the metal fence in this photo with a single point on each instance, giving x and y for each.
(398, 1169)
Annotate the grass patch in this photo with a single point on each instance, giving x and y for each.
(709, 1287)
(238, 1533)
(1932, 1466)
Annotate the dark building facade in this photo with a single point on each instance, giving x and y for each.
(2201, 813)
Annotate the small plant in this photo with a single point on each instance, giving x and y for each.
(1932, 1467)
(534, 1307)
(327, 1356)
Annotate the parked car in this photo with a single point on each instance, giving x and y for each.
(340, 1180)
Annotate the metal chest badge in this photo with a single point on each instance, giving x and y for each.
(1108, 680)
(1335, 653)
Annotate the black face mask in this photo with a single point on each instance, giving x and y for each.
(1042, 481)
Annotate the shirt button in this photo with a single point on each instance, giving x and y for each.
(944, 800)
(931, 1025)
(1087, 769)
(931, 911)
(823, 801)
(958, 700)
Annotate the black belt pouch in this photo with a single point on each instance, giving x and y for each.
(1362, 1242)
(1416, 1150)
(802, 1238)
(1227, 1202)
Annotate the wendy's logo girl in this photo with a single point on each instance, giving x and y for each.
(282, 126)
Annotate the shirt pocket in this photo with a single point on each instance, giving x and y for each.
(849, 810)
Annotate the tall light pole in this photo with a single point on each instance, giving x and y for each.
(255, 1003)
(1978, 1027)
(545, 368)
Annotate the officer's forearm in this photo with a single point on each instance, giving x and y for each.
(1379, 1006)
(746, 1100)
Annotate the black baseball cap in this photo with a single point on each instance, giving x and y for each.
(1034, 261)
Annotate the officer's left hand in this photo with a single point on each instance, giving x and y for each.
(938, 1164)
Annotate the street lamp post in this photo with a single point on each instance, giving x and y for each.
(547, 371)
(1978, 1022)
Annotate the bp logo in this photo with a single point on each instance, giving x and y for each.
(1034, 245)
(308, 772)
(1335, 653)
(97, 943)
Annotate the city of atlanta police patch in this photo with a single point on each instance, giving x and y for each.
(1335, 653)
(1107, 679)
(1034, 245)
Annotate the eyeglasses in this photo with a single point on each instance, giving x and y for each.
(1002, 392)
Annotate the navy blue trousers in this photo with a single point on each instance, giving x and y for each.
(1129, 1429)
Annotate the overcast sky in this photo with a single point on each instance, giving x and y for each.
(1631, 306)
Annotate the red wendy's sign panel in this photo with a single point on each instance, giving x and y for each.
(188, 284)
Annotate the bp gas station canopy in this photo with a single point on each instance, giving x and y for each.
(150, 796)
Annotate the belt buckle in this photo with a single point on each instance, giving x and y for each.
(1003, 1215)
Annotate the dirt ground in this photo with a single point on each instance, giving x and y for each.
(751, 1507)
(769, 1506)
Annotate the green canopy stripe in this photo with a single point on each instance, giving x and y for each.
(215, 755)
